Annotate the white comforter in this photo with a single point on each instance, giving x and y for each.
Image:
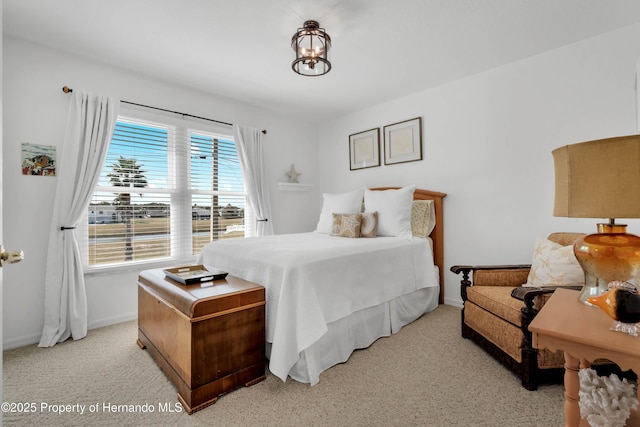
(313, 279)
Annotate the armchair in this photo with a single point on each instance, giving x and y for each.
(497, 312)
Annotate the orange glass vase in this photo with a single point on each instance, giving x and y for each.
(609, 255)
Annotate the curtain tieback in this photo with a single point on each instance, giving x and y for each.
(66, 228)
(262, 220)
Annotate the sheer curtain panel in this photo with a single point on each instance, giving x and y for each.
(90, 124)
(250, 152)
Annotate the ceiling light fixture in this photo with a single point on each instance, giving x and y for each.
(311, 44)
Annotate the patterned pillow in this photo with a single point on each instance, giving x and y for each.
(369, 224)
(346, 225)
(423, 217)
(554, 265)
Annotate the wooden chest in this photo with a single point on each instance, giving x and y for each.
(208, 338)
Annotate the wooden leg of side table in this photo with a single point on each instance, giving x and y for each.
(571, 391)
(572, 367)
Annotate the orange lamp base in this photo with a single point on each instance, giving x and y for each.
(607, 256)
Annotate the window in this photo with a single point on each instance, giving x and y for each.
(166, 189)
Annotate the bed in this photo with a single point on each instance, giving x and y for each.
(328, 295)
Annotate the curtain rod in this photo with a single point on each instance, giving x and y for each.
(67, 89)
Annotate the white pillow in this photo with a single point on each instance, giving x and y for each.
(554, 265)
(350, 202)
(394, 210)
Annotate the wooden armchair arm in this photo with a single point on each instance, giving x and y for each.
(462, 268)
(528, 295)
(493, 275)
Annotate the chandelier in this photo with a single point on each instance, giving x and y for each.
(311, 44)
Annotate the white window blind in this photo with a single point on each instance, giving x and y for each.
(167, 188)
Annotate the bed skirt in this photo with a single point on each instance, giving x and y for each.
(360, 330)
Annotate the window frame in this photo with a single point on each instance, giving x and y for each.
(180, 194)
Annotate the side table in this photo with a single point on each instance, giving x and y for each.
(582, 332)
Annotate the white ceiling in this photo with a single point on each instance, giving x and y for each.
(382, 49)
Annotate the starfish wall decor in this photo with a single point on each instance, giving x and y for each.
(293, 175)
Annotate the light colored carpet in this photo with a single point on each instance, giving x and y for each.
(425, 375)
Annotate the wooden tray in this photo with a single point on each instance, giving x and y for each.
(194, 274)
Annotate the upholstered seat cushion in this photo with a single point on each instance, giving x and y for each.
(497, 300)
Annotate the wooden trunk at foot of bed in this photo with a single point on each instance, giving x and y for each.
(437, 235)
(209, 339)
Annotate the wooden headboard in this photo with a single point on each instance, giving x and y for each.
(437, 235)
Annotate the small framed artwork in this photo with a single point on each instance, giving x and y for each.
(403, 141)
(364, 149)
(38, 159)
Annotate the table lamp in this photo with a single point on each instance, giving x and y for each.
(601, 179)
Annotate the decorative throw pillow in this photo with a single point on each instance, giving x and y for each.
(554, 265)
(338, 202)
(423, 217)
(346, 225)
(369, 224)
(394, 210)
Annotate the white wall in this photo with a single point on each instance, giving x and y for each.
(35, 110)
(488, 141)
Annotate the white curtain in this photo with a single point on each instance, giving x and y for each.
(250, 152)
(90, 124)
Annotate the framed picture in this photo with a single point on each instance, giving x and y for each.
(38, 159)
(364, 149)
(403, 141)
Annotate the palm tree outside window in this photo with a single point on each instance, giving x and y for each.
(126, 173)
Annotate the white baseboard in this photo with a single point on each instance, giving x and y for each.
(456, 302)
(35, 338)
(21, 341)
(112, 320)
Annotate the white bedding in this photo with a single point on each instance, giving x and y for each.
(314, 279)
